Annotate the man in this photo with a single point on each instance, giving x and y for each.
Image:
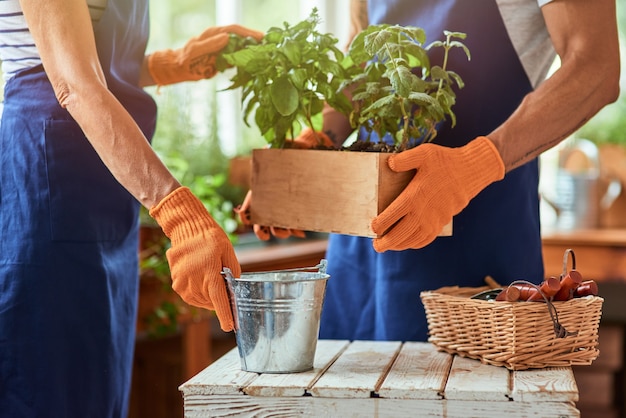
(483, 173)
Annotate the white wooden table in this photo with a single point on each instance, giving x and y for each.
(381, 379)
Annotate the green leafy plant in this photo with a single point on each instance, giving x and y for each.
(287, 77)
(398, 92)
(394, 89)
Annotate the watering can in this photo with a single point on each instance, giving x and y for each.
(578, 196)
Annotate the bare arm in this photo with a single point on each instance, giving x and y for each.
(336, 125)
(64, 37)
(585, 37)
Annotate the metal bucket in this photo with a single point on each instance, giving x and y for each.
(277, 317)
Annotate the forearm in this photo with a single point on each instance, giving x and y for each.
(336, 125)
(359, 18)
(585, 37)
(555, 110)
(122, 146)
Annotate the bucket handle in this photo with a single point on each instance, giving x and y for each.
(321, 268)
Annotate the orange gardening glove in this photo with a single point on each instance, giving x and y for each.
(445, 182)
(199, 251)
(196, 60)
(307, 139)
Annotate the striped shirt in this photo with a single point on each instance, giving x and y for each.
(17, 48)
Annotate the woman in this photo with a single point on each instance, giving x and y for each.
(75, 165)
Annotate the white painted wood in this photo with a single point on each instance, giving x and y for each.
(296, 384)
(260, 407)
(223, 377)
(419, 372)
(472, 380)
(382, 379)
(358, 371)
(555, 384)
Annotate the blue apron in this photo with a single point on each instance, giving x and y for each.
(68, 241)
(376, 296)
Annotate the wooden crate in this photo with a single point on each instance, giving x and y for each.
(382, 379)
(323, 191)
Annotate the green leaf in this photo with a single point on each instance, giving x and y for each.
(418, 56)
(416, 33)
(376, 41)
(435, 44)
(401, 81)
(284, 96)
(292, 51)
(459, 35)
(299, 78)
(423, 99)
(439, 73)
(457, 44)
(457, 78)
(380, 104)
(315, 106)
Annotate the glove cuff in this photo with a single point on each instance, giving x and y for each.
(182, 215)
(164, 67)
(483, 154)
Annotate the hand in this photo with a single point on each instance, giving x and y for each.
(445, 182)
(199, 251)
(307, 139)
(196, 60)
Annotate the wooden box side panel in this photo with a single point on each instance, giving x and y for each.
(391, 183)
(312, 190)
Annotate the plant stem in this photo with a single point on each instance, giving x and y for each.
(405, 115)
(446, 49)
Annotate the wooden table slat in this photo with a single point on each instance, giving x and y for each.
(494, 381)
(296, 384)
(197, 406)
(555, 384)
(419, 372)
(359, 370)
(224, 376)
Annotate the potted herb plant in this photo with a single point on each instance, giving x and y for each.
(394, 93)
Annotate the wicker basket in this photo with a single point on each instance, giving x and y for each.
(517, 335)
